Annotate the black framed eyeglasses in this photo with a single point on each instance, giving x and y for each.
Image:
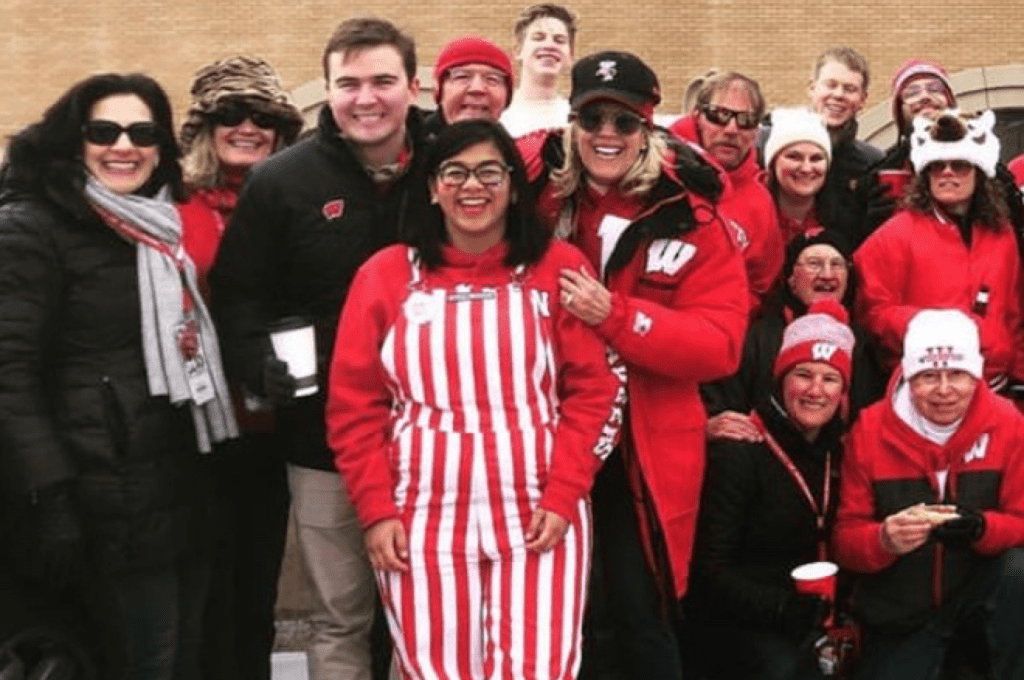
(107, 132)
(592, 119)
(719, 115)
(232, 114)
(488, 173)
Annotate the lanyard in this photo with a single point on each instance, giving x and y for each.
(798, 479)
(132, 233)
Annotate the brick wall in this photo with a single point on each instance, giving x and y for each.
(50, 44)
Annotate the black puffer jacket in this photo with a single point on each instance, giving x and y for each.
(74, 401)
(838, 202)
(755, 524)
(307, 218)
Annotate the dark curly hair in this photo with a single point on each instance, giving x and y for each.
(988, 203)
(45, 158)
(527, 237)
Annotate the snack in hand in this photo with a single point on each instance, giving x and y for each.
(936, 514)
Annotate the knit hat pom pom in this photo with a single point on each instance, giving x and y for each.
(832, 308)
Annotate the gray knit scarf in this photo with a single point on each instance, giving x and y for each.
(160, 301)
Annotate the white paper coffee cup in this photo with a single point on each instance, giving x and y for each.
(295, 344)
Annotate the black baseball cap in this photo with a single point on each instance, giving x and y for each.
(621, 77)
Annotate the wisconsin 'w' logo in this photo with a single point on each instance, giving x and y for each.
(669, 255)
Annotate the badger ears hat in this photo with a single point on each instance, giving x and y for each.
(952, 136)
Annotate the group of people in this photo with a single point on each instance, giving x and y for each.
(579, 377)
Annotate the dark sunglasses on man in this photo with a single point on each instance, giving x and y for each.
(592, 118)
(719, 115)
(107, 132)
(232, 114)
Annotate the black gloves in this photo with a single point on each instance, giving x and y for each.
(802, 614)
(48, 540)
(278, 384)
(880, 206)
(962, 531)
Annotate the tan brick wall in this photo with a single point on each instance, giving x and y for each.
(49, 44)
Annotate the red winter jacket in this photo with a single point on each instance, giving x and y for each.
(748, 208)
(679, 313)
(888, 466)
(919, 261)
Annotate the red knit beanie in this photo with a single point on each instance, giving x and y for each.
(823, 335)
(472, 49)
(911, 69)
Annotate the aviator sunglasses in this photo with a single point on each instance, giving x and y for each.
(107, 132)
(591, 120)
(231, 115)
(721, 116)
(958, 167)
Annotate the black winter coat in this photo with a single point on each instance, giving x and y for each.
(755, 524)
(307, 218)
(74, 400)
(837, 203)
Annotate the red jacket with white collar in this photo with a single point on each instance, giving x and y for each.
(749, 210)
(919, 261)
(678, 317)
(888, 466)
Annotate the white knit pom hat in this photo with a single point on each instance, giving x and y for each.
(941, 338)
(790, 126)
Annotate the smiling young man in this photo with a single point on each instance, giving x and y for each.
(306, 219)
(724, 122)
(838, 91)
(545, 36)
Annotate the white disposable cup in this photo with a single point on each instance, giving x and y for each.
(295, 344)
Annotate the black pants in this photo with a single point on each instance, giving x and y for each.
(997, 611)
(632, 605)
(253, 499)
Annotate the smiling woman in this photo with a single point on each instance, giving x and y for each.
(670, 286)
(951, 245)
(463, 396)
(110, 376)
(767, 506)
(239, 115)
(797, 156)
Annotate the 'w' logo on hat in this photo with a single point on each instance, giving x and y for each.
(606, 70)
(823, 351)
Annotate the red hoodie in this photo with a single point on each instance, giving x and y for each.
(748, 209)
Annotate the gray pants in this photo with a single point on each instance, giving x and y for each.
(332, 545)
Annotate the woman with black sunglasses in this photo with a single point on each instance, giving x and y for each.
(110, 375)
(951, 247)
(239, 115)
(670, 299)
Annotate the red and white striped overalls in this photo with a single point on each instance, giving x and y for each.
(474, 374)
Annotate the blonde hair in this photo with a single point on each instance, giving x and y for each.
(638, 180)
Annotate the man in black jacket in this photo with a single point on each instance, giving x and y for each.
(306, 219)
(838, 91)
